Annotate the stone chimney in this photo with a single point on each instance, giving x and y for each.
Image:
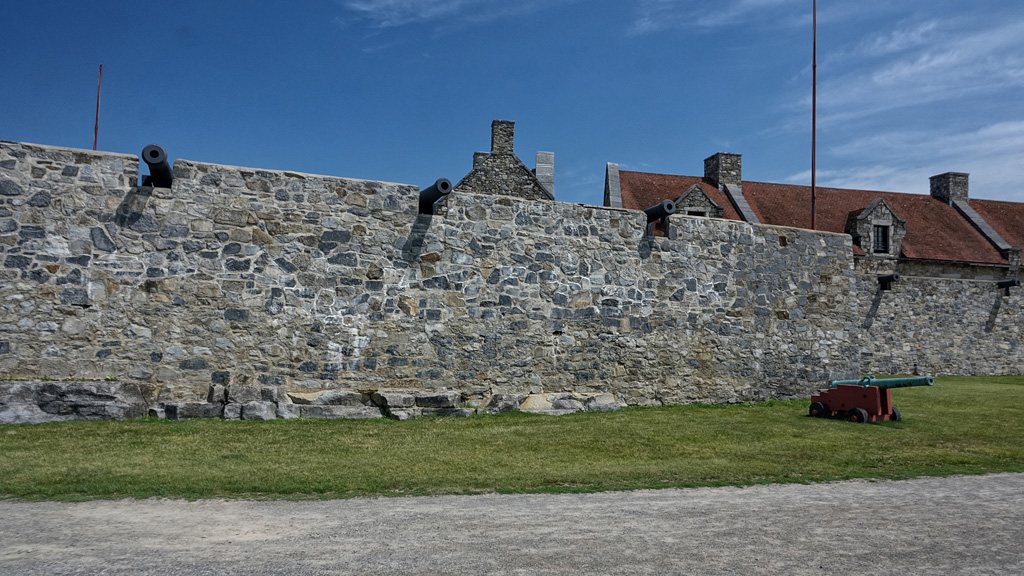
(545, 170)
(502, 136)
(950, 187)
(724, 169)
(953, 189)
(501, 172)
(612, 186)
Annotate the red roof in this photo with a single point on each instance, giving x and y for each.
(1006, 218)
(643, 189)
(935, 230)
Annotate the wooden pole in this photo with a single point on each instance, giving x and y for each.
(814, 115)
(96, 129)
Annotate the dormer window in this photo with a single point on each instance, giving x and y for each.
(877, 230)
(881, 239)
(696, 202)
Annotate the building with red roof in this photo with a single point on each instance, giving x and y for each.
(945, 226)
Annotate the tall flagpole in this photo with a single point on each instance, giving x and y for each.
(814, 114)
(96, 130)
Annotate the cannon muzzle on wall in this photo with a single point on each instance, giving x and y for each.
(160, 174)
(660, 211)
(430, 196)
(886, 280)
(1010, 283)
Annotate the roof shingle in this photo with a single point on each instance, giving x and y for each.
(935, 230)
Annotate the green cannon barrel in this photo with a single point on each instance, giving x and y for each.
(888, 382)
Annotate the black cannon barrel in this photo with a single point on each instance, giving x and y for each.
(886, 280)
(660, 210)
(160, 175)
(1008, 283)
(430, 196)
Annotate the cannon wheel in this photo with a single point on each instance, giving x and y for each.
(896, 416)
(820, 410)
(857, 415)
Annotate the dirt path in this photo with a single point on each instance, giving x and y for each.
(959, 525)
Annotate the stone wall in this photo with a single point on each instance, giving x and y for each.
(945, 318)
(237, 276)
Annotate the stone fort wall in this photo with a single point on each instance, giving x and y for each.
(242, 276)
(943, 318)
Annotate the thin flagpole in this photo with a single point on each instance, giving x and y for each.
(96, 129)
(814, 115)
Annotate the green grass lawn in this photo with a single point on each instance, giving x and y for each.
(959, 426)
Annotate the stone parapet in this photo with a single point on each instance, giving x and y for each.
(305, 284)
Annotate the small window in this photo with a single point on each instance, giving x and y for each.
(881, 239)
(696, 213)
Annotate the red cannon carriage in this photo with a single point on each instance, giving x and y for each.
(864, 400)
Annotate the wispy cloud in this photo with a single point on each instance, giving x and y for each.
(920, 64)
(900, 39)
(394, 13)
(920, 96)
(657, 15)
(902, 160)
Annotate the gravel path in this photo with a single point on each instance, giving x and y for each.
(959, 525)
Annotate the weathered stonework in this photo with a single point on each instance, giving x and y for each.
(941, 318)
(255, 294)
(237, 276)
(33, 402)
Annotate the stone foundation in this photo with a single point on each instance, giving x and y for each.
(36, 402)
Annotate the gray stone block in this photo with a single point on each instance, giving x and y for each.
(405, 414)
(243, 393)
(259, 411)
(27, 414)
(334, 412)
(454, 412)
(269, 393)
(217, 393)
(565, 401)
(602, 403)
(439, 400)
(394, 399)
(504, 403)
(340, 398)
(186, 410)
(10, 188)
(232, 411)
(288, 411)
(29, 402)
(75, 297)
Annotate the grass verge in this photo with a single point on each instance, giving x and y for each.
(964, 425)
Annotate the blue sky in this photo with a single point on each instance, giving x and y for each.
(405, 90)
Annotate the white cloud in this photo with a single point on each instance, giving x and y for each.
(920, 96)
(900, 39)
(921, 64)
(394, 13)
(903, 160)
(657, 15)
